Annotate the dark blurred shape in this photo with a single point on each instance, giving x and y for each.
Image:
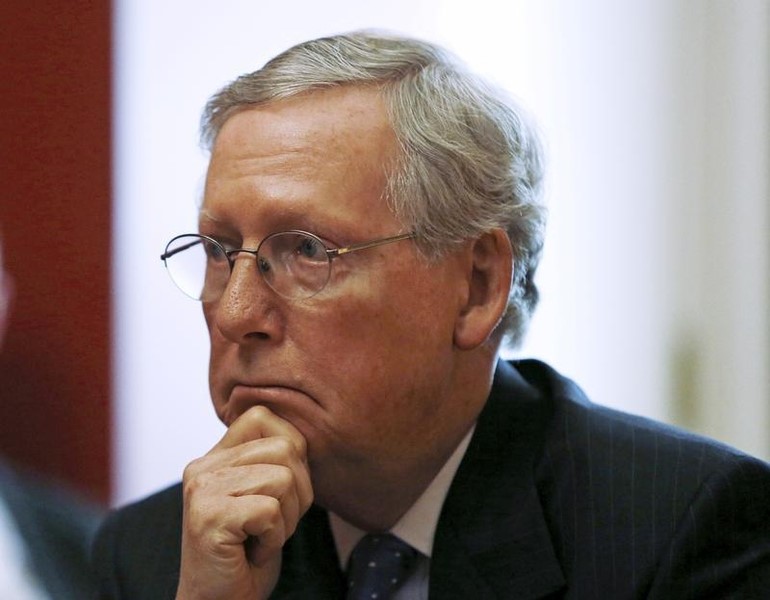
(56, 527)
(55, 212)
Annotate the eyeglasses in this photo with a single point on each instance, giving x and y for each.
(295, 264)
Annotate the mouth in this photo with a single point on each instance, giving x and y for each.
(280, 399)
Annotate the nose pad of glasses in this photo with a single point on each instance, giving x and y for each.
(277, 274)
(265, 268)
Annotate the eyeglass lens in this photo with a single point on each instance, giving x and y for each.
(294, 264)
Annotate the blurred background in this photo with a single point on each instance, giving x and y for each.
(655, 281)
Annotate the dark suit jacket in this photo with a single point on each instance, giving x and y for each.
(555, 498)
(57, 528)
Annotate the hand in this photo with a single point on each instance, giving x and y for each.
(242, 501)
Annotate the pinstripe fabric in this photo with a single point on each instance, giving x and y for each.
(555, 498)
(637, 509)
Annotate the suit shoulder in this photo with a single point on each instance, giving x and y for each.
(602, 456)
(137, 548)
(165, 501)
(158, 512)
(635, 501)
(584, 430)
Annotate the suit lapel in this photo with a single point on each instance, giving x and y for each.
(492, 540)
(310, 567)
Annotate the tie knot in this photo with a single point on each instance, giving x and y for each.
(378, 566)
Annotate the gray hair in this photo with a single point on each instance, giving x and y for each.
(470, 160)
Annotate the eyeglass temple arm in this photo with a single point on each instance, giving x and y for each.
(396, 238)
(171, 253)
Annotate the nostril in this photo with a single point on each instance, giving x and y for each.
(259, 335)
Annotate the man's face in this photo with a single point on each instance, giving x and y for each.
(364, 368)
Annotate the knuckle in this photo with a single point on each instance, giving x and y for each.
(256, 414)
(191, 471)
(293, 448)
(196, 483)
(284, 446)
(301, 445)
(306, 501)
(192, 481)
(272, 511)
(284, 477)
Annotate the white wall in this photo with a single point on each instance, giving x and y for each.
(719, 174)
(640, 120)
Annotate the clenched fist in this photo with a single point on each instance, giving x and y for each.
(242, 501)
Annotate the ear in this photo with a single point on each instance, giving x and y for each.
(489, 282)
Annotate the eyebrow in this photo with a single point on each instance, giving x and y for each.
(300, 221)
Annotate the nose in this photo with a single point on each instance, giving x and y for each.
(248, 309)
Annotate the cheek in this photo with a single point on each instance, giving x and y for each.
(407, 316)
(377, 350)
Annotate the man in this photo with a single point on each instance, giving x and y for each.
(369, 234)
(45, 533)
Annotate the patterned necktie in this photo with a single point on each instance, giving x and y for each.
(379, 564)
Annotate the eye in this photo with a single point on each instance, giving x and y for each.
(215, 253)
(310, 248)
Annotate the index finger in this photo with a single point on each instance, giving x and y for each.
(260, 422)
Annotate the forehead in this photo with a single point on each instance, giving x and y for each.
(318, 115)
(332, 144)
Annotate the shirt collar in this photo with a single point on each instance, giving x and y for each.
(417, 526)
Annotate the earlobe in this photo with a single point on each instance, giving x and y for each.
(489, 282)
